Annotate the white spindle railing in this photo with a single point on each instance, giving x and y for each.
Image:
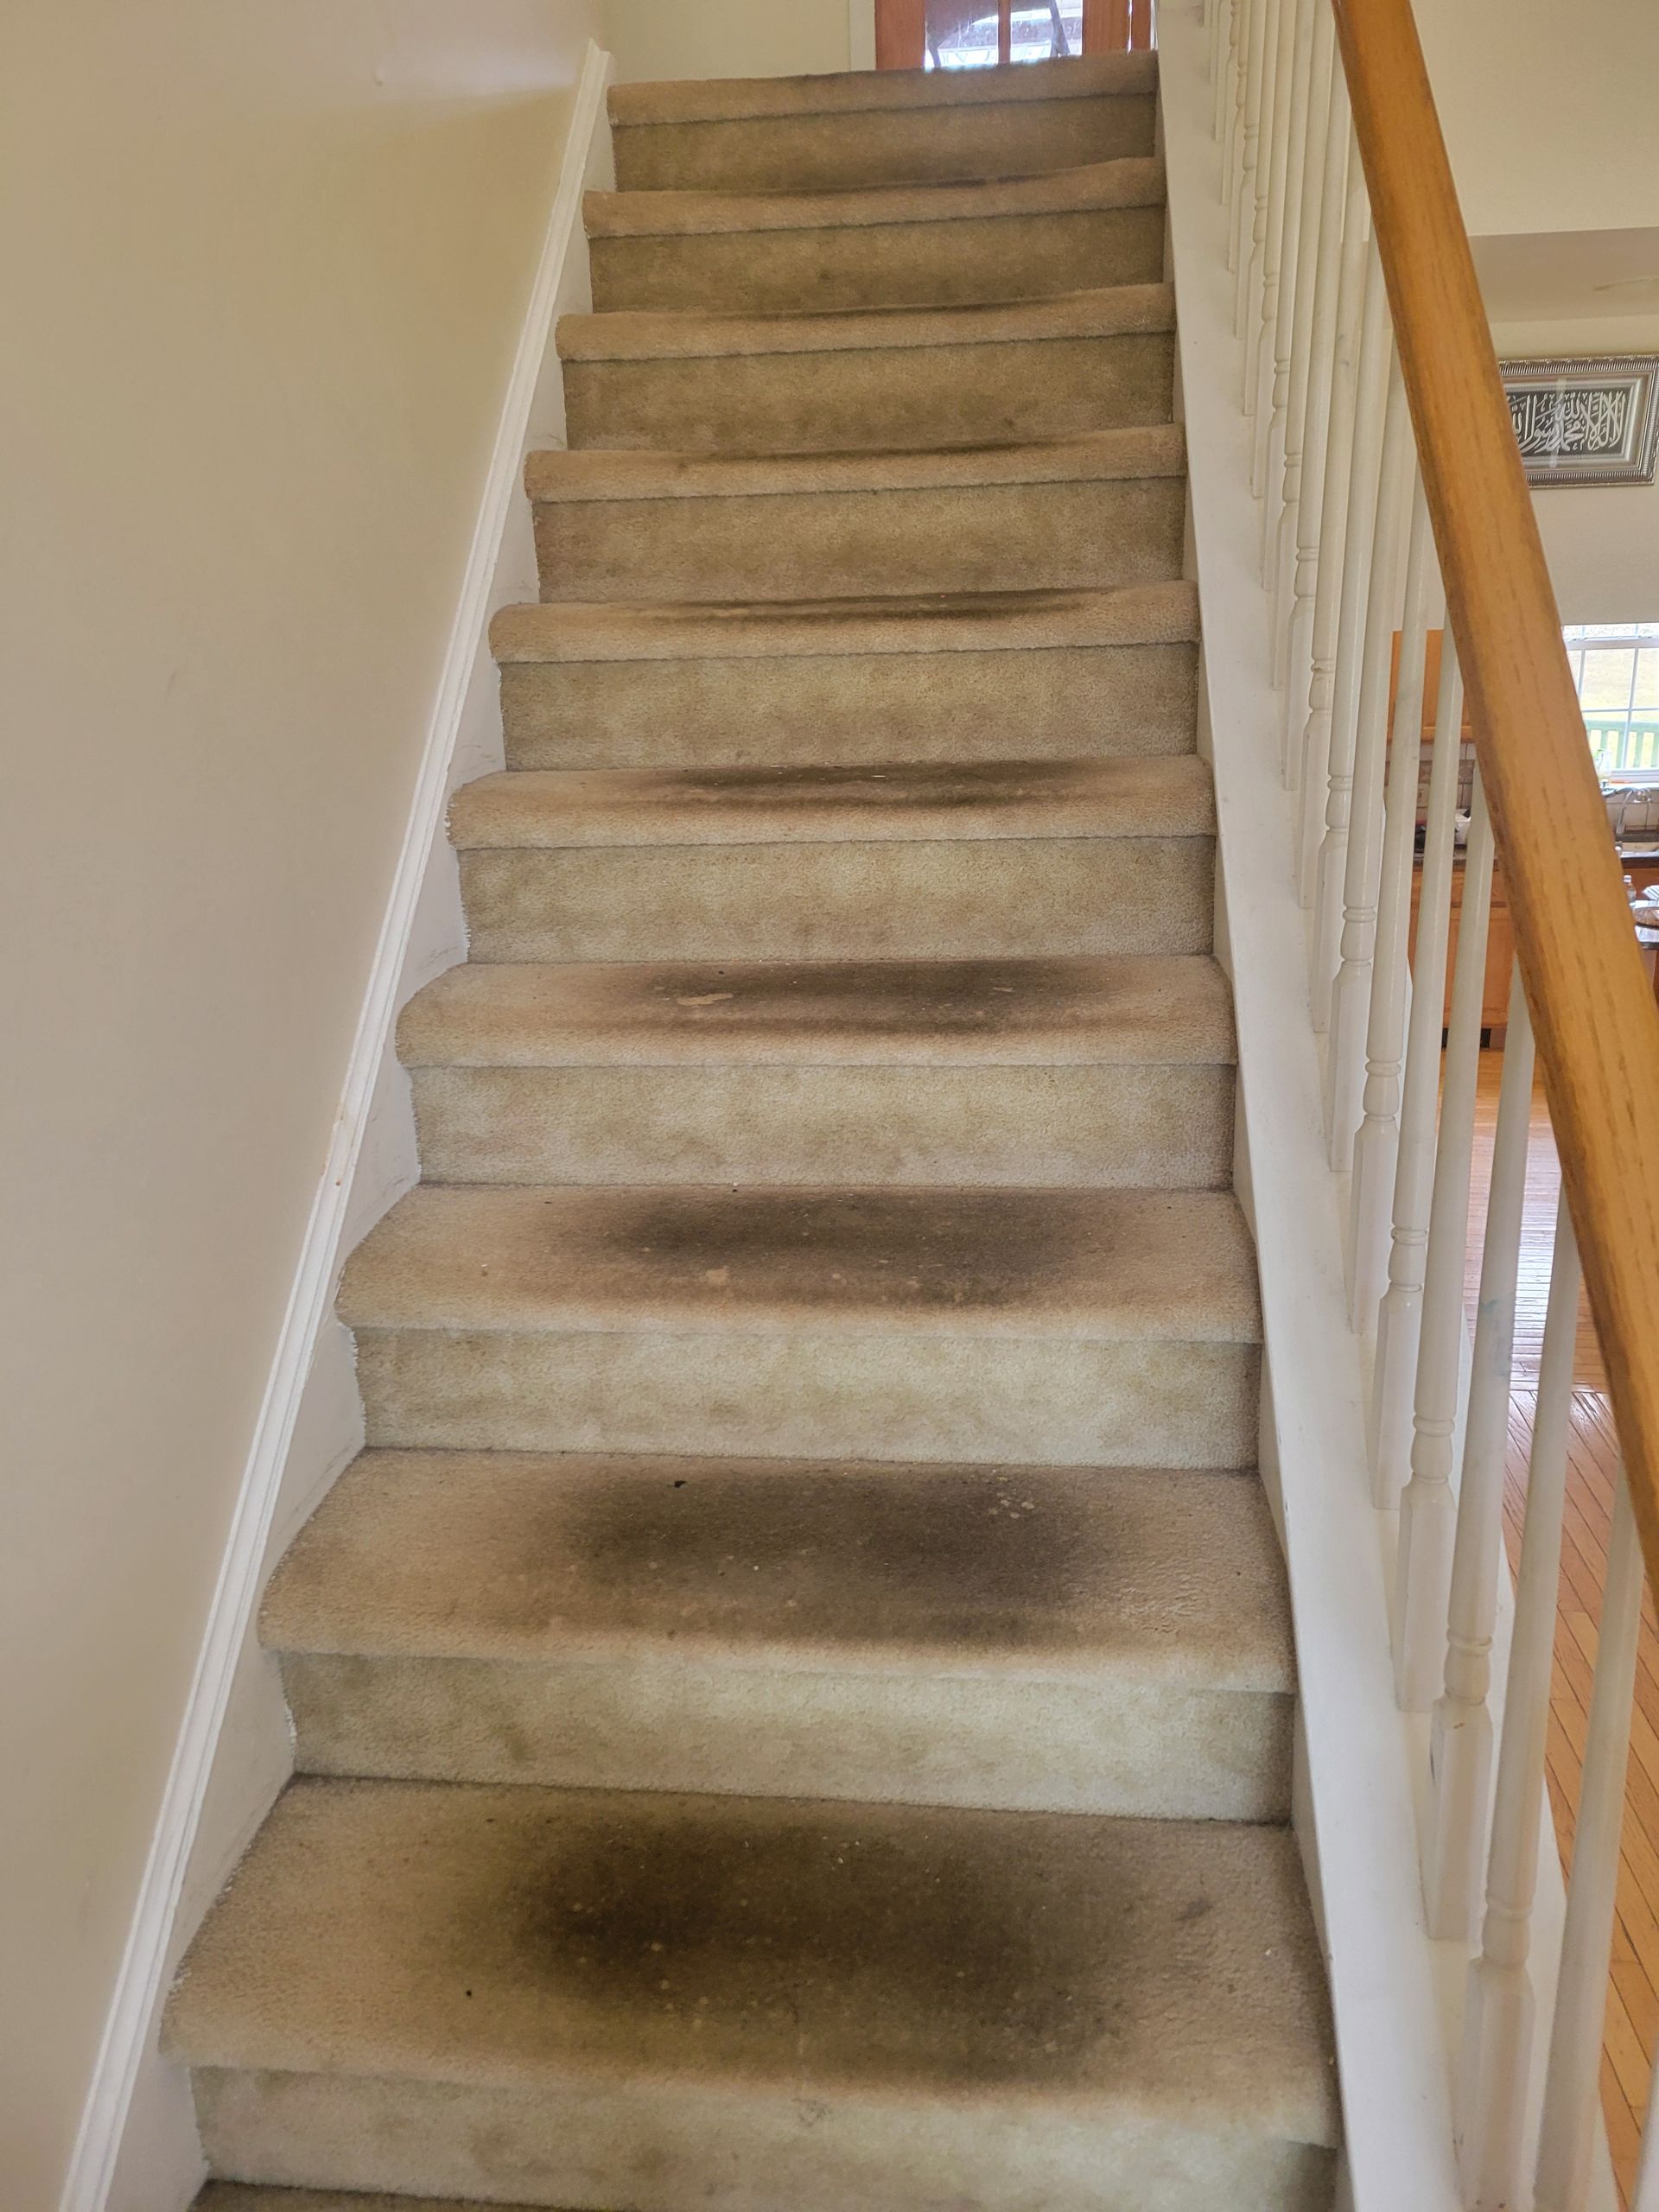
(1353, 591)
(1423, 1568)
(1327, 565)
(1285, 234)
(1262, 339)
(1376, 1143)
(1297, 340)
(1498, 2009)
(1461, 1758)
(1400, 1316)
(1353, 900)
(1365, 468)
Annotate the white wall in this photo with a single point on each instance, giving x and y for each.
(266, 266)
(729, 38)
(1603, 541)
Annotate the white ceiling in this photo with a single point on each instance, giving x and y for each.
(1561, 275)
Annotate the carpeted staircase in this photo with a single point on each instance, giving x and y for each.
(794, 1705)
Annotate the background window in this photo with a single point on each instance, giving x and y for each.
(1616, 669)
(963, 33)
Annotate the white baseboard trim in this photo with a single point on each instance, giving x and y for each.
(861, 34)
(370, 1161)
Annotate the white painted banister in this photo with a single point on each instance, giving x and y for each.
(1223, 24)
(1285, 268)
(1254, 33)
(1398, 1323)
(1263, 345)
(1377, 1146)
(1498, 2009)
(1231, 98)
(1254, 266)
(1364, 469)
(1460, 1757)
(1356, 896)
(1296, 649)
(1284, 223)
(1423, 1567)
(1333, 523)
(1301, 376)
(1358, 408)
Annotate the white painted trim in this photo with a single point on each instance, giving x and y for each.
(1362, 1775)
(861, 34)
(1359, 1831)
(365, 1136)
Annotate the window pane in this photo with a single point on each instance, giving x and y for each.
(1647, 677)
(962, 33)
(1605, 684)
(1041, 33)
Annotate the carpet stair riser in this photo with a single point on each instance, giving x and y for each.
(895, 398)
(656, 2147)
(1083, 703)
(981, 538)
(1093, 1744)
(1161, 1127)
(902, 264)
(832, 153)
(1030, 1401)
(962, 899)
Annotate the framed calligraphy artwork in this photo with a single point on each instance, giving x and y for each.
(1591, 419)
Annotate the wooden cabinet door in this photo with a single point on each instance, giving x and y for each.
(900, 34)
(1500, 952)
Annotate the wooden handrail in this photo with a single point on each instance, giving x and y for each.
(1591, 1006)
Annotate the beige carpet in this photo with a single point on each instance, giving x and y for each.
(794, 1704)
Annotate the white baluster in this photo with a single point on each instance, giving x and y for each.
(1244, 146)
(1498, 2009)
(1232, 125)
(1288, 98)
(1377, 1146)
(1309, 427)
(1645, 2197)
(1568, 2133)
(1460, 1742)
(1423, 1568)
(1253, 34)
(1325, 578)
(1351, 992)
(1253, 266)
(1398, 1320)
(1216, 22)
(1363, 474)
(1295, 336)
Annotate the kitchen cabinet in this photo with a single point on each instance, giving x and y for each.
(1500, 940)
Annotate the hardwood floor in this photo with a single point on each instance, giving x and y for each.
(1633, 2026)
(1537, 1234)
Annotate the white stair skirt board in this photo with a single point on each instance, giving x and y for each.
(136, 2150)
(1362, 1783)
